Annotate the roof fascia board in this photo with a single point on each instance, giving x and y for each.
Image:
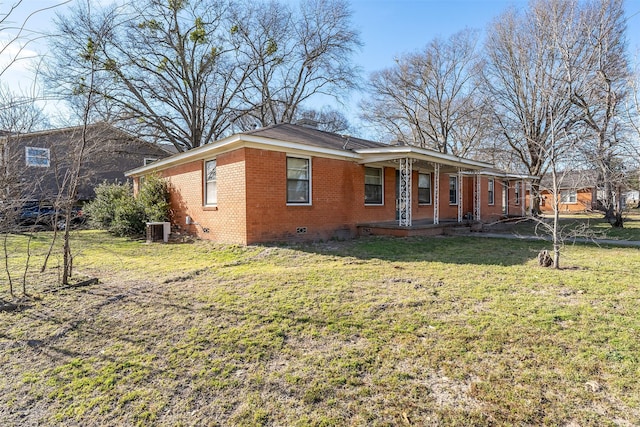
(396, 152)
(286, 146)
(239, 141)
(199, 153)
(499, 174)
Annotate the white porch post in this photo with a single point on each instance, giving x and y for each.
(436, 193)
(460, 194)
(477, 196)
(523, 197)
(404, 219)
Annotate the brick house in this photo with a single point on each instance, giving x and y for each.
(288, 182)
(39, 162)
(577, 192)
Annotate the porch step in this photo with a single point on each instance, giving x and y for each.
(463, 229)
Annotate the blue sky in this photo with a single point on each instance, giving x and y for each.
(392, 27)
(388, 28)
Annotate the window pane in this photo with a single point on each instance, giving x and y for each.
(490, 194)
(37, 156)
(297, 168)
(298, 179)
(373, 194)
(424, 188)
(211, 170)
(297, 191)
(424, 195)
(453, 190)
(211, 184)
(373, 176)
(373, 186)
(212, 193)
(424, 180)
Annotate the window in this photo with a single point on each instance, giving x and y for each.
(453, 190)
(35, 156)
(298, 181)
(517, 193)
(568, 196)
(424, 188)
(210, 183)
(149, 160)
(373, 188)
(491, 192)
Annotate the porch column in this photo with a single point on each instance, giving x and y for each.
(477, 197)
(404, 219)
(436, 193)
(460, 194)
(523, 197)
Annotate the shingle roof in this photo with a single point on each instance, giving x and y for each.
(577, 179)
(315, 137)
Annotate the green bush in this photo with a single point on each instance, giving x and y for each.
(116, 210)
(154, 199)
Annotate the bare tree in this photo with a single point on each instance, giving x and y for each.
(598, 78)
(327, 119)
(298, 54)
(524, 82)
(169, 66)
(20, 113)
(431, 98)
(190, 72)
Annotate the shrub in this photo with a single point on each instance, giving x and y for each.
(154, 199)
(129, 218)
(116, 210)
(102, 210)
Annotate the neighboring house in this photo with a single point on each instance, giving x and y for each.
(630, 199)
(39, 163)
(577, 192)
(288, 182)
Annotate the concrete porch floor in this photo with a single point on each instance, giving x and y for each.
(421, 227)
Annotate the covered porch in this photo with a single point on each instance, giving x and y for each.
(459, 191)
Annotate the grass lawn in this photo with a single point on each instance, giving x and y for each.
(375, 331)
(593, 222)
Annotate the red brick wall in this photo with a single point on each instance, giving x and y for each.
(337, 199)
(490, 213)
(225, 223)
(585, 199)
(252, 208)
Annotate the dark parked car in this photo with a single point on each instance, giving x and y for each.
(34, 213)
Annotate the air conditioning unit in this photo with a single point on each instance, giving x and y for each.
(158, 232)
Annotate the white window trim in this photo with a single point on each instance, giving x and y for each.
(382, 181)
(298, 156)
(430, 188)
(570, 192)
(149, 160)
(457, 191)
(26, 157)
(516, 193)
(493, 182)
(204, 183)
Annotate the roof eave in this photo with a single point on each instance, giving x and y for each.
(234, 142)
(370, 155)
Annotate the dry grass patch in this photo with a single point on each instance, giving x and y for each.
(439, 331)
